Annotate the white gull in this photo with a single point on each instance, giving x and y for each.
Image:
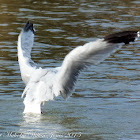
(43, 84)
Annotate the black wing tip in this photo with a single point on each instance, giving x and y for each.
(122, 37)
(29, 26)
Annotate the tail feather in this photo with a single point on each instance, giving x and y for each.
(122, 37)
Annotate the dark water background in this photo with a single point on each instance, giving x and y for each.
(106, 102)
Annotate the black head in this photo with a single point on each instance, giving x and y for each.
(28, 26)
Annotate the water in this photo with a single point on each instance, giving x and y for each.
(106, 102)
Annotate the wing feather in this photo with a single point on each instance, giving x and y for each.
(90, 53)
(80, 58)
(25, 44)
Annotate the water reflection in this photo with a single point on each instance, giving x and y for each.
(44, 126)
(105, 104)
(33, 126)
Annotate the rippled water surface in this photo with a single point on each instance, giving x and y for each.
(106, 102)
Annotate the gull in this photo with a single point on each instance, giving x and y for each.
(44, 84)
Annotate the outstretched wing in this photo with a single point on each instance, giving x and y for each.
(25, 44)
(90, 53)
(26, 39)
